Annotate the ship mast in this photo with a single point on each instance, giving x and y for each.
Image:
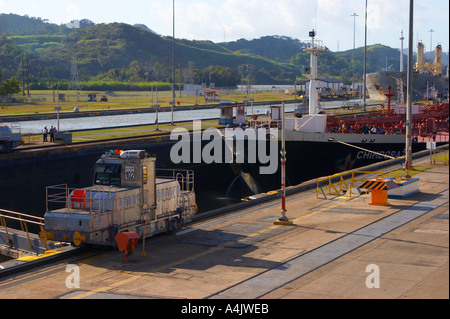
(313, 47)
(408, 123)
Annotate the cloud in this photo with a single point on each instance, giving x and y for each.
(199, 21)
(255, 18)
(234, 19)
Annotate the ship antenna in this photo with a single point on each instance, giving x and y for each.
(315, 15)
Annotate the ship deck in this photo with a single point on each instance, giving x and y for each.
(337, 248)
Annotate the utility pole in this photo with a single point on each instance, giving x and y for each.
(365, 59)
(173, 61)
(25, 68)
(408, 122)
(23, 76)
(28, 77)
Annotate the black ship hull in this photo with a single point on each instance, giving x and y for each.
(310, 160)
(216, 184)
(321, 155)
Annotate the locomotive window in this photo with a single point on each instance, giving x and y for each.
(107, 174)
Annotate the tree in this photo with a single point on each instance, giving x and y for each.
(9, 87)
(220, 75)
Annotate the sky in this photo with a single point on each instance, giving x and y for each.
(230, 20)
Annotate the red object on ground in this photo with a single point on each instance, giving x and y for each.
(126, 242)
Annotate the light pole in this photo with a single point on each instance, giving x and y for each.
(365, 58)
(156, 106)
(173, 62)
(431, 42)
(354, 15)
(408, 122)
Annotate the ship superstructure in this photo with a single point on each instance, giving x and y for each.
(428, 81)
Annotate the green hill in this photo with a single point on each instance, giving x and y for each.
(276, 48)
(105, 48)
(135, 54)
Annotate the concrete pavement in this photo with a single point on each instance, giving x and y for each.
(341, 248)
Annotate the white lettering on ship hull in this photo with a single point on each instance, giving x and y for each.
(370, 155)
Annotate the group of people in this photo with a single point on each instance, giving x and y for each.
(357, 128)
(52, 133)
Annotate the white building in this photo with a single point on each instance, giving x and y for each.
(332, 84)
